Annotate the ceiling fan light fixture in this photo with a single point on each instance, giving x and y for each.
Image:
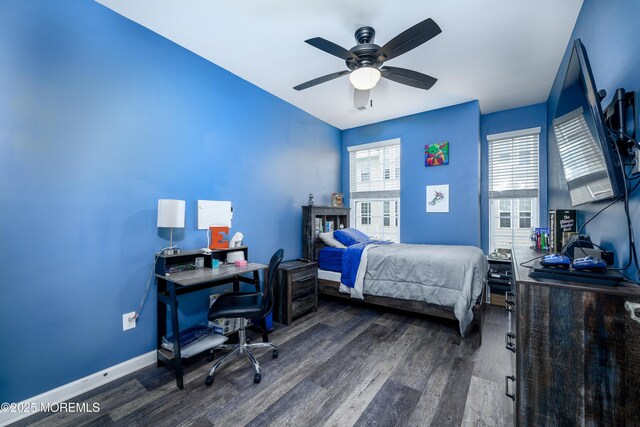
(364, 78)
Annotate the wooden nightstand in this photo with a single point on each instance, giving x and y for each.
(296, 291)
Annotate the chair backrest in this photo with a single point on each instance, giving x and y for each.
(271, 281)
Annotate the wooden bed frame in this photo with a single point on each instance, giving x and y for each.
(312, 216)
(330, 288)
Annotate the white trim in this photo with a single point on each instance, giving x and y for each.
(388, 142)
(513, 134)
(78, 387)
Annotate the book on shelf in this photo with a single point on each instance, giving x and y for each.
(562, 224)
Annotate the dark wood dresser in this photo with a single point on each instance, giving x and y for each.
(577, 352)
(297, 290)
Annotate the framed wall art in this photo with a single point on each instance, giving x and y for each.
(436, 154)
(438, 198)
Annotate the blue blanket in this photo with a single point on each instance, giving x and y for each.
(351, 261)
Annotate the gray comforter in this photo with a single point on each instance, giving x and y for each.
(452, 276)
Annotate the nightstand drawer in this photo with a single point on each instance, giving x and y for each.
(296, 291)
(304, 282)
(303, 303)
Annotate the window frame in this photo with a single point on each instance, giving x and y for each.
(365, 215)
(384, 187)
(356, 219)
(506, 217)
(516, 160)
(386, 213)
(525, 213)
(397, 215)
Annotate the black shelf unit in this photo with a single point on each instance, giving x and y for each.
(164, 263)
(314, 221)
(499, 276)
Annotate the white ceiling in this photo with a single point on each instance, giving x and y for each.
(505, 53)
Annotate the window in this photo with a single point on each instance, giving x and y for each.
(374, 181)
(388, 164)
(513, 187)
(525, 213)
(395, 205)
(387, 213)
(365, 175)
(505, 220)
(505, 213)
(365, 213)
(582, 159)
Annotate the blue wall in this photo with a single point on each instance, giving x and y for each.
(460, 125)
(507, 121)
(99, 118)
(610, 33)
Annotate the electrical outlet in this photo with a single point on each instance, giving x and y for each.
(129, 321)
(636, 167)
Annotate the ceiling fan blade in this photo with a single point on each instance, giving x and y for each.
(409, 39)
(322, 79)
(408, 77)
(332, 48)
(360, 99)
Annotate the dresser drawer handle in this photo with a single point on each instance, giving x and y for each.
(509, 301)
(508, 341)
(305, 298)
(631, 307)
(305, 279)
(506, 387)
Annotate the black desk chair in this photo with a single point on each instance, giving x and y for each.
(248, 305)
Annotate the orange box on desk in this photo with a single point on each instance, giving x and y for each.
(217, 238)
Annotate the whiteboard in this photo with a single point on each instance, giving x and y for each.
(214, 213)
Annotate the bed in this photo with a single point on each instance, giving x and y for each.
(439, 280)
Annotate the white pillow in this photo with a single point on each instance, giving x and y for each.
(328, 240)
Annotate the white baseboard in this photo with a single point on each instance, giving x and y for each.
(75, 388)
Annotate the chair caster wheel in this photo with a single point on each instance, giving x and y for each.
(210, 357)
(256, 378)
(208, 381)
(274, 354)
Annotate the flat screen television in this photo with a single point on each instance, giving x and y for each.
(588, 154)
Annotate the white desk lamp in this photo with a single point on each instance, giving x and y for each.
(171, 215)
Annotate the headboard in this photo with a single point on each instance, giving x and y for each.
(317, 219)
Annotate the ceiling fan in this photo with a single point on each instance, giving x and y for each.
(365, 60)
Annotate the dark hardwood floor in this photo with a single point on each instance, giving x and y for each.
(343, 365)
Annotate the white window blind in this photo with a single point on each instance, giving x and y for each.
(374, 183)
(375, 172)
(582, 159)
(513, 166)
(513, 187)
